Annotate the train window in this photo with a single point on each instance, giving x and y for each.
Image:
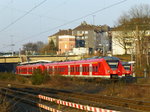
(77, 69)
(58, 69)
(96, 69)
(61, 69)
(65, 69)
(55, 69)
(71, 69)
(87, 69)
(83, 69)
(99, 64)
(49, 70)
(93, 69)
(113, 64)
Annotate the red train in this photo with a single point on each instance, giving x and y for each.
(127, 69)
(104, 67)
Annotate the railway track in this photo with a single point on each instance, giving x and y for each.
(88, 99)
(32, 99)
(29, 92)
(112, 101)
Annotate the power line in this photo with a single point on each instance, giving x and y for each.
(75, 20)
(33, 36)
(38, 15)
(15, 21)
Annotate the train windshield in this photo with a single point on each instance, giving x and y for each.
(127, 67)
(112, 62)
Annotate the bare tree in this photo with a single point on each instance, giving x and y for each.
(49, 48)
(136, 22)
(31, 48)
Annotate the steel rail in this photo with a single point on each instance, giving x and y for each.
(28, 101)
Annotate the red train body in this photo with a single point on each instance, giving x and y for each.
(104, 67)
(126, 69)
(28, 69)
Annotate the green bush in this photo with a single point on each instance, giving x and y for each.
(39, 77)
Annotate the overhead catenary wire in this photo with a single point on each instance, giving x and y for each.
(37, 15)
(19, 18)
(43, 32)
(33, 36)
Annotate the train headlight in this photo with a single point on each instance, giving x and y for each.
(108, 71)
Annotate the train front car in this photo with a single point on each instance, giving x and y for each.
(114, 67)
(127, 69)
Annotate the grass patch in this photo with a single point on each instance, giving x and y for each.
(4, 105)
(39, 77)
(7, 76)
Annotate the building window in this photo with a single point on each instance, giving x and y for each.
(86, 32)
(79, 32)
(65, 46)
(86, 37)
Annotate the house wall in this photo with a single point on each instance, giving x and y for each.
(66, 43)
(80, 51)
(116, 47)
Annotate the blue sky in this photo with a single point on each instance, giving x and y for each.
(18, 27)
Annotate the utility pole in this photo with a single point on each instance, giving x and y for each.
(93, 19)
(137, 47)
(12, 45)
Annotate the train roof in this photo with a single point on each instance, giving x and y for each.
(86, 60)
(35, 62)
(77, 61)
